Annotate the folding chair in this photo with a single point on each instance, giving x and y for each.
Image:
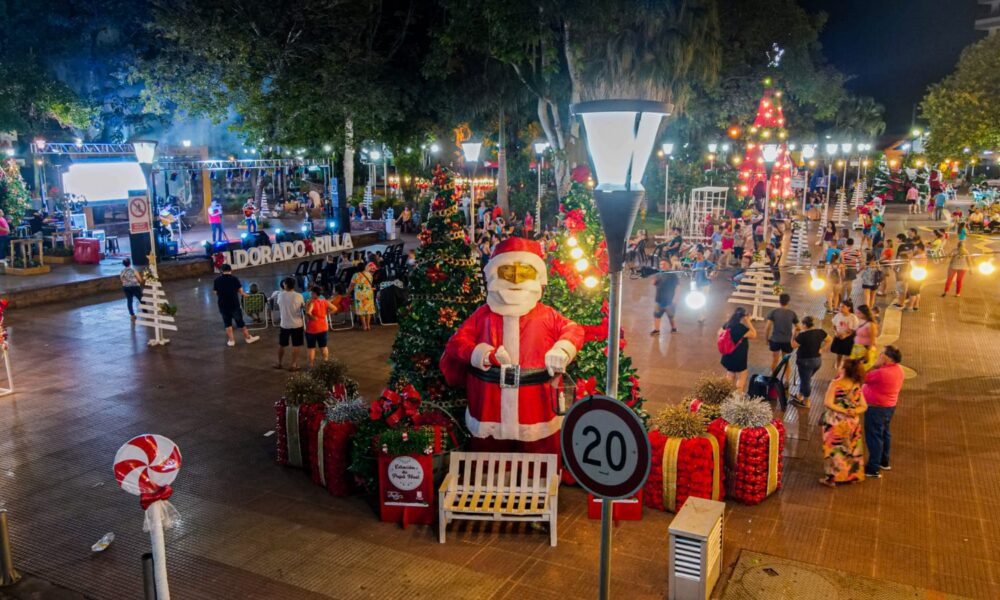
(256, 304)
(301, 274)
(344, 319)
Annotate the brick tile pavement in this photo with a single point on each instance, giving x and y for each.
(251, 529)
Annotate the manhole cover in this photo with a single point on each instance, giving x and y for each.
(776, 580)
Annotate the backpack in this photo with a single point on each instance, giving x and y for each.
(726, 344)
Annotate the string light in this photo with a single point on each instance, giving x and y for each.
(987, 267)
(590, 281)
(576, 253)
(571, 242)
(582, 265)
(918, 273)
(815, 282)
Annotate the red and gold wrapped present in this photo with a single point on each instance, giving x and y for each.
(684, 467)
(333, 445)
(294, 445)
(752, 458)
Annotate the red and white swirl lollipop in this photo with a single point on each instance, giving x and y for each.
(146, 466)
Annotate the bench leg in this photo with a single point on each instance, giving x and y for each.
(442, 527)
(553, 535)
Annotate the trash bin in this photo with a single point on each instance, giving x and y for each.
(87, 251)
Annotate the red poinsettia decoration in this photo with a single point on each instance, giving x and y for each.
(574, 220)
(435, 274)
(586, 387)
(447, 316)
(596, 333)
(218, 260)
(633, 392)
(601, 256)
(424, 236)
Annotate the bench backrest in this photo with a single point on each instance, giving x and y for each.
(506, 472)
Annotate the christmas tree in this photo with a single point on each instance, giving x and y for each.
(887, 185)
(578, 288)
(768, 128)
(14, 198)
(445, 287)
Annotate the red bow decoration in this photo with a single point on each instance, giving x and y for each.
(435, 274)
(218, 260)
(586, 387)
(163, 493)
(406, 403)
(308, 243)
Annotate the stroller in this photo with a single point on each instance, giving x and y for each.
(772, 388)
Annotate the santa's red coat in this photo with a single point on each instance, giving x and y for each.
(527, 413)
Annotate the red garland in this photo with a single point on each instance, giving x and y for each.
(747, 481)
(695, 469)
(218, 260)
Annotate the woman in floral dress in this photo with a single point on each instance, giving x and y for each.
(843, 440)
(364, 294)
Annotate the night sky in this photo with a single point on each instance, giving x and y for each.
(896, 48)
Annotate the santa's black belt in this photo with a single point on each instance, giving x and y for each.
(511, 376)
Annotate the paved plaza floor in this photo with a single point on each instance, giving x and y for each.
(251, 529)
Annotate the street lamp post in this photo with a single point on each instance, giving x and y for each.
(540, 148)
(847, 161)
(471, 151)
(770, 154)
(808, 152)
(145, 150)
(668, 152)
(620, 138)
(831, 151)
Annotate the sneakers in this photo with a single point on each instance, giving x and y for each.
(231, 343)
(673, 330)
(885, 468)
(873, 475)
(253, 338)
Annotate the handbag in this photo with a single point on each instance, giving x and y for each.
(726, 344)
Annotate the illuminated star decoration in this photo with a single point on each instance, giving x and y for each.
(774, 56)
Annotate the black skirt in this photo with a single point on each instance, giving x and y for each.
(842, 346)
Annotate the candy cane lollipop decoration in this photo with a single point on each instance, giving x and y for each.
(146, 466)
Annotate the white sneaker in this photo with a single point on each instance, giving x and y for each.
(231, 343)
(252, 339)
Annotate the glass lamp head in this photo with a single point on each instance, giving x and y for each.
(620, 138)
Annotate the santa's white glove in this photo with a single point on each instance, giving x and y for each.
(556, 360)
(502, 357)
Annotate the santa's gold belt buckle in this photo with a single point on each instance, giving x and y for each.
(510, 376)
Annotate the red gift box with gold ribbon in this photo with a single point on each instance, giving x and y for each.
(753, 459)
(684, 467)
(295, 447)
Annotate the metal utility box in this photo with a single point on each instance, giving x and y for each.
(696, 549)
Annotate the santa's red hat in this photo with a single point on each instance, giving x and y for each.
(517, 249)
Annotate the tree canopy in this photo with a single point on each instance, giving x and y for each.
(962, 110)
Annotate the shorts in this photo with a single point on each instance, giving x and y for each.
(293, 335)
(316, 340)
(869, 287)
(231, 315)
(664, 308)
(784, 347)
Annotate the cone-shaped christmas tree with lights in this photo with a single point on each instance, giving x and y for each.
(445, 287)
(578, 288)
(14, 198)
(768, 128)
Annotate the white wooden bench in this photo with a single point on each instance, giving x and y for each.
(496, 486)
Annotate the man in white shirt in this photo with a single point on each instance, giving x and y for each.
(290, 305)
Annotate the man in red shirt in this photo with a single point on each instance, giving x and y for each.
(881, 390)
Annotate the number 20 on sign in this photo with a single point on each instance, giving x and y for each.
(605, 447)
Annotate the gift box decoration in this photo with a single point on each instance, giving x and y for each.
(294, 445)
(686, 461)
(753, 453)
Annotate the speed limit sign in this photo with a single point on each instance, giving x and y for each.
(605, 447)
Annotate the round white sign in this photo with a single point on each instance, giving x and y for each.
(405, 473)
(605, 447)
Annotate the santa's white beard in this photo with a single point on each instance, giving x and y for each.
(513, 300)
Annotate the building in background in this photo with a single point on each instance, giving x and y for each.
(989, 17)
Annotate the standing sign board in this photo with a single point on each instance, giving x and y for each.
(406, 488)
(138, 213)
(605, 447)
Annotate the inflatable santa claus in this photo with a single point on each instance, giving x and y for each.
(507, 353)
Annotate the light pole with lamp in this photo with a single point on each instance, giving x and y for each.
(831, 151)
(770, 154)
(668, 153)
(808, 152)
(145, 150)
(846, 147)
(471, 151)
(540, 148)
(620, 135)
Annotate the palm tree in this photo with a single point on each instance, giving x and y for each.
(860, 116)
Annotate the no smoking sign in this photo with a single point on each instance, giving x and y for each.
(138, 214)
(605, 447)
